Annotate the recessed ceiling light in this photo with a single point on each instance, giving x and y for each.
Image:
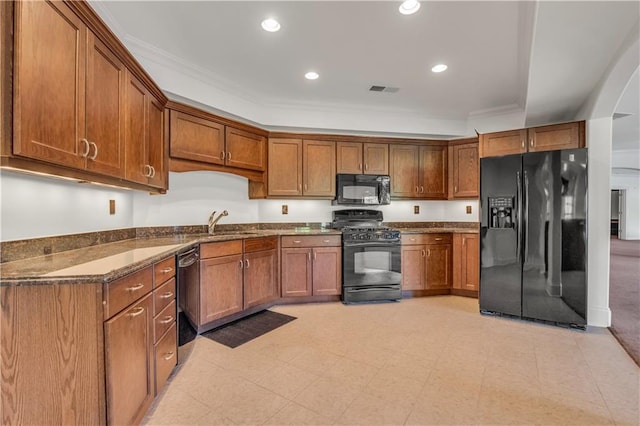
(311, 75)
(439, 68)
(270, 25)
(409, 7)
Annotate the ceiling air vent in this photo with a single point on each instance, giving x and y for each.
(386, 89)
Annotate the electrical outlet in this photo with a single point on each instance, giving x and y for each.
(468, 209)
(285, 209)
(112, 206)
(416, 209)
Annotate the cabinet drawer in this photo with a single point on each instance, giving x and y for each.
(260, 244)
(165, 356)
(312, 241)
(164, 295)
(164, 320)
(164, 270)
(226, 248)
(121, 293)
(409, 239)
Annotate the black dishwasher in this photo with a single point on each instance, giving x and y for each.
(188, 276)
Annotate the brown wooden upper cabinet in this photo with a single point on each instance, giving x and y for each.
(301, 168)
(359, 157)
(69, 91)
(544, 138)
(72, 105)
(144, 136)
(207, 141)
(464, 181)
(418, 171)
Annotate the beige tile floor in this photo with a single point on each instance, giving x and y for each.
(420, 361)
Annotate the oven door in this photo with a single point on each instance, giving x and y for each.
(371, 264)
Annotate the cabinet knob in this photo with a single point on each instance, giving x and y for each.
(137, 311)
(166, 320)
(87, 148)
(95, 153)
(135, 287)
(166, 295)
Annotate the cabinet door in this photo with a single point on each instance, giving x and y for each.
(404, 164)
(413, 267)
(433, 172)
(327, 271)
(503, 143)
(376, 158)
(245, 150)
(349, 157)
(136, 136)
(438, 266)
(49, 83)
(220, 287)
(105, 124)
(296, 275)
(285, 167)
(156, 144)
(470, 262)
(319, 168)
(260, 277)
(194, 138)
(465, 171)
(550, 138)
(129, 363)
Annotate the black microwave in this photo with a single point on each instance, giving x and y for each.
(362, 190)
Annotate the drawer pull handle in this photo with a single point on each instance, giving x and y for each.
(438, 239)
(412, 239)
(85, 142)
(241, 264)
(135, 287)
(297, 241)
(246, 263)
(228, 155)
(423, 253)
(166, 320)
(166, 295)
(137, 311)
(326, 241)
(168, 356)
(167, 270)
(222, 155)
(95, 154)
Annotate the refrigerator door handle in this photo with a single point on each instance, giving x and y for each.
(525, 206)
(518, 220)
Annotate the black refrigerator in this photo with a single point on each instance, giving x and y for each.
(533, 236)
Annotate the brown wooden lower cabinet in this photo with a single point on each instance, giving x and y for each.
(234, 276)
(129, 363)
(311, 266)
(426, 261)
(85, 353)
(466, 261)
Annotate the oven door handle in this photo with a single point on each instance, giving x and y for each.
(371, 244)
(370, 288)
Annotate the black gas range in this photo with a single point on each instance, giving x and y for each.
(371, 256)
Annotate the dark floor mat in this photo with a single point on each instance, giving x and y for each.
(246, 329)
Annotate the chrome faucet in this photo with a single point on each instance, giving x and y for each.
(213, 221)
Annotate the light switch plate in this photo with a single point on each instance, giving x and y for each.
(285, 209)
(416, 209)
(112, 206)
(468, 209)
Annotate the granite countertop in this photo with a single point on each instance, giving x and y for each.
(438, 230)
(105, 262)
(109, 261)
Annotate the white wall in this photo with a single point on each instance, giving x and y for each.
(39, 206)
(598, 223)
(192, 197)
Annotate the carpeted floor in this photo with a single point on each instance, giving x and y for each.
(624, 294)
